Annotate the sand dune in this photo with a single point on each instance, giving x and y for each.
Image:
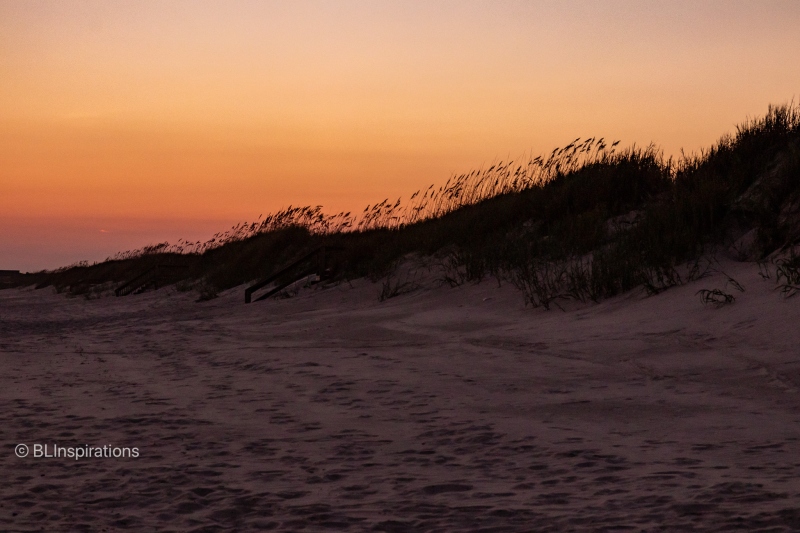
(440, 410)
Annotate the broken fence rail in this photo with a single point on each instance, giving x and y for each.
(319, 265)
(157, 275)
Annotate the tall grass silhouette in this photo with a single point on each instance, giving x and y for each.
(586, 221)
(457, 192)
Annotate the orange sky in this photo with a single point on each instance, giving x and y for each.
(157, 120)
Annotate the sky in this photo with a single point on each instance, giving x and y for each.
(126, 123)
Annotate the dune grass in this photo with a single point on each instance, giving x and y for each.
(586, 222)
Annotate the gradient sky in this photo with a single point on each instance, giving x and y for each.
(128, 123)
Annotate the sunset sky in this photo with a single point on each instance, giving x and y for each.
(128, 123)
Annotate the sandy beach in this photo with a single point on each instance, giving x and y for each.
(445, 409)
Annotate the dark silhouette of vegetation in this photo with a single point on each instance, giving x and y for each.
(586, 223)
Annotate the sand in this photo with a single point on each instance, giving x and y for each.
(439, 410)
